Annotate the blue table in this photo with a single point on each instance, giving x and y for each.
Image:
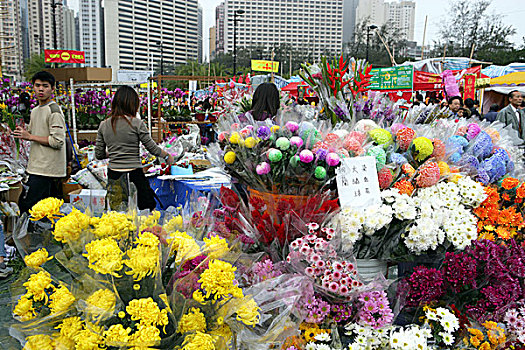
(177, 192)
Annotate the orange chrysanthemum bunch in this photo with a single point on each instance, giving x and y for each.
(500, 217)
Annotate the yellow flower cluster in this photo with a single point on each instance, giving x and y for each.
(174, 224)
(144, 258)
(149, 221)
(147, 312)
(184, 246)
(89, 338)
(46, 208)
(216, 247)
(69, 228)
(104, 256)
(39, 342)
(224, 332)
(101, 302)
(495, 337)
(218, 280)
(248, 313)
(145, 336)
(37, 284)
(193, 321)
(61, 299)
(69, 328)
(37, 259)
(113, 225)
(24, 309)
(198, 341)
(117, 334)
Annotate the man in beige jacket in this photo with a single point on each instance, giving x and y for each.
(47, 132)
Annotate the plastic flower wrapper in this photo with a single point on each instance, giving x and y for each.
(485, 335)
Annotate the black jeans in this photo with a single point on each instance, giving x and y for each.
(145, 195)
(39, 187)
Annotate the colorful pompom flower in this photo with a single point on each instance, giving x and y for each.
(404, 138)
(385, 178)
(428, 174)
(423, 148)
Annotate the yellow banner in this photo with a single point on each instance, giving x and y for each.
(265, 66)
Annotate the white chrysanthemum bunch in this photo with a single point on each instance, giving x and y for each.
(411, 338)
(460, 227)
(472, 192)
(367, 338)
(447, 320)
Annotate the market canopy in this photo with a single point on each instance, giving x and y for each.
(512, 79)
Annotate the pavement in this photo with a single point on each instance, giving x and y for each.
(6, 341)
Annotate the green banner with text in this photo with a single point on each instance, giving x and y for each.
(392, 78)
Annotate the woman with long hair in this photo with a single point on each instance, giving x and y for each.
(266, 101)
(122, 134)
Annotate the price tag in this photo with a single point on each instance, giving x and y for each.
(357, 182)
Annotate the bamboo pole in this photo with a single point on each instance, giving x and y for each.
(424, 36)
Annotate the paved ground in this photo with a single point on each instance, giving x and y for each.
(6, 342)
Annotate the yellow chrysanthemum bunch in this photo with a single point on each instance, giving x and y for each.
(37, 284)
(144, 258)
(101, 302)
(117, 334)
(193, 321)
(145, 336)
(69, 228)
(39, 342)
(149, 221)
(46, 208)
(69, 328)
(89, 338)
(146, 311)
(198, 341)
(61, 299)
(113, 225)
(495, 336)
(216, 247)
(248, 313)
(24, 309)
(184, 246)
(174, 224)
(37, 259)
(218, 280)
(104, 256)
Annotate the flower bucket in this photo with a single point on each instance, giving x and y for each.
(278, 204)
(369, 269)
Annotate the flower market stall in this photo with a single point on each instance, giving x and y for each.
(353, 224)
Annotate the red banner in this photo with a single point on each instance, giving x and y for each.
(432, 82)
(64, 56)
(470, 87)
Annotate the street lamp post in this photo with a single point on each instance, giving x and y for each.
(159, 44)
(368, 28)
(235, 14)
(53, 13)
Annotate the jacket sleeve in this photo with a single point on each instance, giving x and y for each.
(100, 145)
(57, 130)
(147, 141)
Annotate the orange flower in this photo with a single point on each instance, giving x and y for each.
(520, 192)
(509, 183)
(486, 235)
(404, 187)
(503, 233)
(506, 197)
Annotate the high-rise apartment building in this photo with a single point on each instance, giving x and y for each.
(313, 25)
(199, 35)
(69, 29)
(399, 14)
(219, 25)
(91, 27)
(11, 45)
(349, 19)
(137, 31)
(213, 42)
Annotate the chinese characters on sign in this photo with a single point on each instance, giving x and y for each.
(393, 78)
(265, 66)
(357, 183)
(64, 56)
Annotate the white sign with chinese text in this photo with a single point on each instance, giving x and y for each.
(357, 183)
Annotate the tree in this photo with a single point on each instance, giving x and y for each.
(377, 53)
(33, 64)
(470, 28)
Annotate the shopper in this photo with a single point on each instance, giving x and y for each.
(513, 115)
(471, 105)
(266, 101)
(455, 103)
(122, 134)
(492, 114)
(47, 133)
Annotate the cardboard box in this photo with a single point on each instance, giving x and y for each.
(94, 200)
(81, 74)
(69, 187)
(14, 192)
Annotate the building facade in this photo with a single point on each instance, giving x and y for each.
(349, 19)
(219, 28)
(200, 52)
(91, 27)
(399, 14)
(312, 25)
(69, 29)
(11, 43)
(137, 31)
(213, 42)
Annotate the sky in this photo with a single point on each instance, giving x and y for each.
(513, 12)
